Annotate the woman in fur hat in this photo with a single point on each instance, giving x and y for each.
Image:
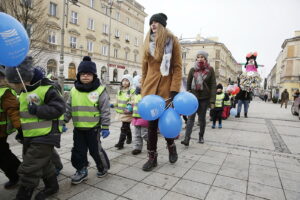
(161, 75)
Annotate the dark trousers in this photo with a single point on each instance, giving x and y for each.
(84, 141)
(201, 112)
(217, 115)
(9, 163)
(152, 136)
(37, 164)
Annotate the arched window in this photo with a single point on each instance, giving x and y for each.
(52, 67)
(126, 71)
(72, 71)
(115, 75)
(134, 73)
(103, 73)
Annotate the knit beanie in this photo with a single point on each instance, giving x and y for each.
(203, 53)
(25, 69)
(160, 18)
(136, 81)
(220, 86)
(87, 65)
(38, 74)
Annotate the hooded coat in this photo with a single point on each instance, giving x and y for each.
(152, 80)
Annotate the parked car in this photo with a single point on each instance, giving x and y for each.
(295, 109)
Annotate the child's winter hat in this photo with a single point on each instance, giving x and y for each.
(87, 65)
(136, 81)
(220, 86)
(38, 74)
(25, 69)
(160, 18)
(203, 53)
(129, 78)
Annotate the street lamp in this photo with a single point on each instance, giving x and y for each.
(61, 77)
(185, 51)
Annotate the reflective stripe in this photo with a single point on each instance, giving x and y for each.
(2, 122)
(84, 109)
(26, 114)
(36, 125)
(85, 119)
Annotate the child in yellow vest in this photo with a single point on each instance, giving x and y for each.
(219, 104)
(124, 110)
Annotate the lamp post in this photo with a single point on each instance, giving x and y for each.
(185, 50)
(61, 77)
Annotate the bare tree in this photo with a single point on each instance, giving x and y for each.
(32, 14)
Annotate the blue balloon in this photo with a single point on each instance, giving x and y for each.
(233, 112)
(170, 123)
(14, 41)
(151, 107)
(185, 103)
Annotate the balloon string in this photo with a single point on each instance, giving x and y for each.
(21, 79)
(168, 99)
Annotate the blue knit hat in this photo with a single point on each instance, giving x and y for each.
(87, 65)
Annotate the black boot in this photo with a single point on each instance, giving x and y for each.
(120, 144)
(24, 193)
(152, 161)
(238, 115)
(129, 137)
(173, 156)
(185, 142)
(246, 116)
(51, 187)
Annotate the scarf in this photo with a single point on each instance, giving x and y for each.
(166, 60)
(87, 87)
(200, 74)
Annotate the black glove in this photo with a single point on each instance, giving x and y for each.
(173, 94)
(138, 90)
(32, 108)
(19, 136)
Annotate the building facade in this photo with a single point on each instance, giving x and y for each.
(87, 27)
(220, 58)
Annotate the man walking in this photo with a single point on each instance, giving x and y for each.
(284, 98)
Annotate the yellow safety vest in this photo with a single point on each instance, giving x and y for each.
(123, 98)
(219, 100)
(137, 99)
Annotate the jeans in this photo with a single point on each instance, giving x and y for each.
(246, 106)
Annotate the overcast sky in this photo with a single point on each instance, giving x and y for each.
(242, 25)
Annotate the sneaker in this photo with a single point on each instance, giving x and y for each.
(220, 125)
(79, 176)
(101, 174)
(213, 126)
(136, 152)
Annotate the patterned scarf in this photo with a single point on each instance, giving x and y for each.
(201, 70)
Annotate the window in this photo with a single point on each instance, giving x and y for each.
(136, 41)
(52, 10)
(73, 42)
(118, 16)
(127, 39)
(92, 3)
(90, 46)
(125, 72)
(105, 29)
(116, 53)
(72, 71)
(74, 17)
(117, 33)
(52, 38)
(91, 24)
(128, 21)
(106, 10)
(126, 55)
(218, 52)
(105, 50)
(135, 57)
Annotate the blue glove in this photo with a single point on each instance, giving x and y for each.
(64, 128)
(105, 133)
(112, 105)
(32, 108)
(129, 107)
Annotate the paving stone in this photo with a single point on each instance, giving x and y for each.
(68, 190)
(161, 180)
(200, 176)
(128, 160)
(172, 170)
(189, 155)
(134, 173)
(265, 191)
(222, 194)
(231, 184)
(116, 167)
(290, 195)
(234, 173)
(258, 169)
(176, 196)
(262, 156)
(250, 197)
(263, 162)
(185, 163)
(288, 167)
(211, 160)
(245, 153)
(207, 167)
(289, 175)
(94, 193)
(116, 184)
(92, 177)
(145, 192)
(290, 185)
(215, 154)
(190, 188)
(265, 179)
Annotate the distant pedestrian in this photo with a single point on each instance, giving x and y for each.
(284, 98)
(244, 98)
(296, 94)
(265, 97)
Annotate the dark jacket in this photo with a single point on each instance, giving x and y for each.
(10, 106)
(244, 95)
(209, 86)
(284, 96)
(53, 108)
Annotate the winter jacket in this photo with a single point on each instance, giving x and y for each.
(284, 95)
(10, 107)
(152, 80)
(209, 86)
(103, 107)
(244, 95)
(53, 108)
(124, 117)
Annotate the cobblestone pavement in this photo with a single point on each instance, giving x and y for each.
(248, 159)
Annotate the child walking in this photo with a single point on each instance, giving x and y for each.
(219, 104)
(124, 110)
(140, 125)
(9, 119)
(88, 106)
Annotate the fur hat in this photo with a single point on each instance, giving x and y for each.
(220, 86)
(129, 78)
(203, 53)
(160, 18)
(25, 69)
(87, 65)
